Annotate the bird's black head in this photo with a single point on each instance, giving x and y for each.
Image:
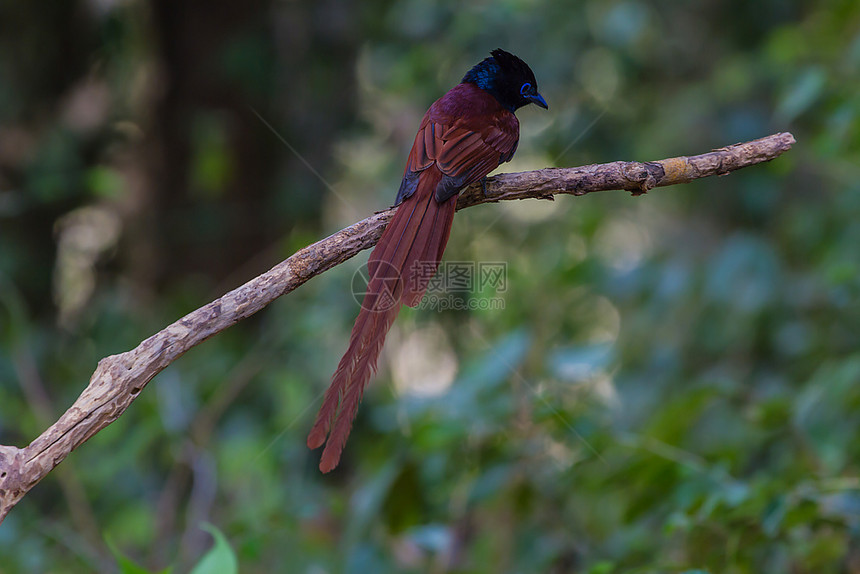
(508, 79)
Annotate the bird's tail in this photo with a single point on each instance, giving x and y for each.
(400, 269)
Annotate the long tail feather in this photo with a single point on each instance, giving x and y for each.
(379, 298)
(418, 232)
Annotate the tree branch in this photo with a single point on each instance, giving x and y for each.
(119, 379)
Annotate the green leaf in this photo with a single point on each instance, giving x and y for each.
(127, 565)
(105, 182)
(802, 94)
(220, 559)
(602, 567)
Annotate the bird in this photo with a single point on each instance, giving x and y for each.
(465, 134)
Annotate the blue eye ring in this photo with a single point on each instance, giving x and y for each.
(525, 89)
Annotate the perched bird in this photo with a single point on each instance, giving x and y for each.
(466, 134)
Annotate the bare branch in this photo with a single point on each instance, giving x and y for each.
(119, 379)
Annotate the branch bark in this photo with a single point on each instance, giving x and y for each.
(119, 379)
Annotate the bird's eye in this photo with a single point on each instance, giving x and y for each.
(527, 87)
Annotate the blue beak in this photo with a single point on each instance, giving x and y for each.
(538, 100)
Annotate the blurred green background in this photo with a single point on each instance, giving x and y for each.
(673, 384)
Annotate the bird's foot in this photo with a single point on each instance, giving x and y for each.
(484, 185)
